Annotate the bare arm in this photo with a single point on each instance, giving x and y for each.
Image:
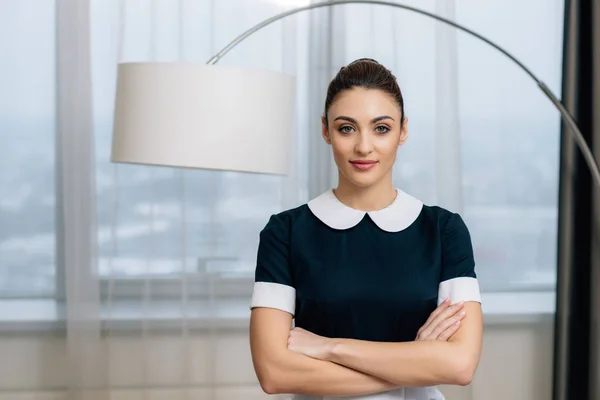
(421, 363)
(280, 370)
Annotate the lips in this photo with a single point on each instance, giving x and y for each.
(363, 165)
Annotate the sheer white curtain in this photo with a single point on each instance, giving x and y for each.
(172, 272)
(76, 219)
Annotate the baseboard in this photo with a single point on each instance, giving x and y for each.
(220, 393)
(42, 395)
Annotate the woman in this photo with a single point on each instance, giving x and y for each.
(362, 268)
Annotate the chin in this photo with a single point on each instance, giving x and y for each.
(362, 180)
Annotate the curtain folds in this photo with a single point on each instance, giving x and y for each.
(577, 322)
(158, 263)
(76, 214)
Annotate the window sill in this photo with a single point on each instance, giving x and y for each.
(506, 308)
(47, 316)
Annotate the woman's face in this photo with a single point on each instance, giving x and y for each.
(364, 131)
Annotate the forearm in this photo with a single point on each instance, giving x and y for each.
(422, 363)
(296, 373)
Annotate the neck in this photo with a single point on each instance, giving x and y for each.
(371, 198)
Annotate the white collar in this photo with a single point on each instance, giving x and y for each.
(396, 217)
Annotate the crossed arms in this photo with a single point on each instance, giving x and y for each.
(297, 361)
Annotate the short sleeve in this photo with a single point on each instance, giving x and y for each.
(458, 279)
(273, 283)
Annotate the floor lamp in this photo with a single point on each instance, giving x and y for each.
(162, 110)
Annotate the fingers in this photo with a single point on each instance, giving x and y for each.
(447, 327)
(443, 313)
(447, 334)
(445, 304)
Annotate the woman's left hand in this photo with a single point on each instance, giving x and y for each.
(311, 345)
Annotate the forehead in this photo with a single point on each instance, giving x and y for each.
(364, 102)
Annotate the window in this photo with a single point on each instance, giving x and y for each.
(149, 218)
(510, 142)
(27, 135)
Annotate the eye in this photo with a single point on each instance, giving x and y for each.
(382, 129)
(346, 129)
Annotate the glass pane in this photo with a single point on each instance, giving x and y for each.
(27, 134)
(510, 138)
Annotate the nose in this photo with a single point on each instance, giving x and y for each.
(364, 144)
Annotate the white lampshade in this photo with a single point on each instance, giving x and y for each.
(203, 116)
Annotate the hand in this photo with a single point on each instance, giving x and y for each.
(443, 322)
(311, 345)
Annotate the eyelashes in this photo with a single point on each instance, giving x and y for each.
(345, 129)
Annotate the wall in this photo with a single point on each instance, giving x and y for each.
(516, 364)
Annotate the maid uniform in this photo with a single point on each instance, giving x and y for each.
(367, 275)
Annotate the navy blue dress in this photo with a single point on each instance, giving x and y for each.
(376, 275)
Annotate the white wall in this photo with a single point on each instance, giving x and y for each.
(516, 364)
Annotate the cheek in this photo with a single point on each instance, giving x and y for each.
(341, 149)
(388, 147)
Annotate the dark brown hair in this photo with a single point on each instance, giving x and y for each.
(364, 73)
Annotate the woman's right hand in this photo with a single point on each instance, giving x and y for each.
(443, 322)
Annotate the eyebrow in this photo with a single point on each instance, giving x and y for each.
(373, 121)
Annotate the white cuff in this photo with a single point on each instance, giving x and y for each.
(459, 289)
(274, 295)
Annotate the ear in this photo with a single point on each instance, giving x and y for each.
(403, 132)
(325, 131)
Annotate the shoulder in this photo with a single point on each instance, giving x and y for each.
(284, 221)
(454, 238)
(292, 214)
(443, 219)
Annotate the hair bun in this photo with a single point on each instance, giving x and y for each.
(364, 60)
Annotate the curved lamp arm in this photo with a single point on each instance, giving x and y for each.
(566, 116)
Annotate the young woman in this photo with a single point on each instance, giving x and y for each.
(382, 287)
